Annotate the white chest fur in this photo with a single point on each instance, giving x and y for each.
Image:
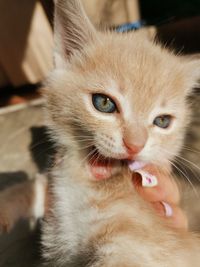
(69, 230)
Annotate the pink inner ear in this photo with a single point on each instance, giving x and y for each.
(136, 165)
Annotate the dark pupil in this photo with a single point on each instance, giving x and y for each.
(103, 103)
(162, 121)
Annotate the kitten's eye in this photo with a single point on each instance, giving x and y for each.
(163, 121)
(103, 103)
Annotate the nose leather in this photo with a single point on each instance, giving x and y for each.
(132, 149)
(135, 138)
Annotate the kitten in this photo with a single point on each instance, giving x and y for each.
(112, 98)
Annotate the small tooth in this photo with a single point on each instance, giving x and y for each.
(148, 180)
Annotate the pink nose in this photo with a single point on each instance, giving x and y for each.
(132, 149)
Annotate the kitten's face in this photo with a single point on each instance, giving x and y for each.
(120, 99)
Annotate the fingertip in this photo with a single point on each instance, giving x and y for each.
(165, 189)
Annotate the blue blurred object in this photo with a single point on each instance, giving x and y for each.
(130, 26)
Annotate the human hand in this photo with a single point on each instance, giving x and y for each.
(164, 197)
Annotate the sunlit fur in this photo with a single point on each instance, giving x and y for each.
(105, 223)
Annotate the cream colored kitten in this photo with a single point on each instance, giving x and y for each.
(112, 98)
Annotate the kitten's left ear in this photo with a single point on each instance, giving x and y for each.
(192, 71)
(72, 30)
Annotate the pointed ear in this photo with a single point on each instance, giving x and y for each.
(192, 68)
(72, 30)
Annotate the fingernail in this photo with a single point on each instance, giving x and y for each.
(148, 180)
(168, 209)
(136, 165)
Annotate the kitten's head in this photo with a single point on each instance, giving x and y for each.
(116, 96)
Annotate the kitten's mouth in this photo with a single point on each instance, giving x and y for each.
(102, 167)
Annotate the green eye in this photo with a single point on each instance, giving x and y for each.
(103, 103)
(163, 121)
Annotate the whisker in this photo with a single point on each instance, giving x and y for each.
(184, 175)
(182, 158)
(190, 149)
(44, 141)
(181, 171)
(187, 166)
(86, 157)
(190, 162)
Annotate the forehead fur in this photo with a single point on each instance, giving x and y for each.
(130, 61)
(136, 65)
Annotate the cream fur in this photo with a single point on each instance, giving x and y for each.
(105, 223)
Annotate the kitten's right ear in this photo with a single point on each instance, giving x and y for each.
(72, 30)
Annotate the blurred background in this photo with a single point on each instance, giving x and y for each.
(26, 39)
(26, 31)
(26, 48)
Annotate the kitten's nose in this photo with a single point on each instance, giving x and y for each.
(134, 139)
(132, 149)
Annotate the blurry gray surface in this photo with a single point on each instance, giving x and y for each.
(24, 151)
(20, 248)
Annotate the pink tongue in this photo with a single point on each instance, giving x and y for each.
(100, 171)
(136, 165)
